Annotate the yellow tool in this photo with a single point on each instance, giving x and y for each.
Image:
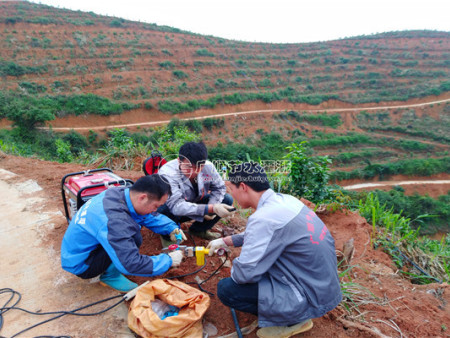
(190, 251)
(200, 252)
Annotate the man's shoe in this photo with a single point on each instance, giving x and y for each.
(209, 235)
(284, 331)
(114, 279)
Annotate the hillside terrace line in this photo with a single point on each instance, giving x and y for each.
(154, 123)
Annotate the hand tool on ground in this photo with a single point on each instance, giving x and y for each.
(190, 251)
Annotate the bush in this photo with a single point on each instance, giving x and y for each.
(209, 123)
(309, 175)
(166, 64)
(180, 74)
(33, 87)
(116, 23)
(9, 68)
(76, 141)
(322, 119)
(63, 151)
(204, 52)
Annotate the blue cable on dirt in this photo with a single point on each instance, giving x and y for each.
(413, 263)
(236, 323)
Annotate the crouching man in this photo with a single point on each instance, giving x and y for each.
(198, 192)
(286, 273)
(104, 236)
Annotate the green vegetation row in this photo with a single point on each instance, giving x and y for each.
(323, 119)
(10, 68)
(363, 155)
(273, 145)
(414, 207)
(27, 111)
(419, 133)
(325, 140)
(290, 94)
(413, 167)
(26, 13)
(410, 123)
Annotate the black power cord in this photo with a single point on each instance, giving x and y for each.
(59, 314)
(200, 269)
(197, 271)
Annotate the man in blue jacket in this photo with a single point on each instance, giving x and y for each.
(286, 273)
(104, 236)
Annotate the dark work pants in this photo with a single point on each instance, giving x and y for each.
(241, 297)
(196, 226)
(98, 262)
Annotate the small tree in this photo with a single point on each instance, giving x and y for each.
(63, 151)
(309, 175)
(27, 113)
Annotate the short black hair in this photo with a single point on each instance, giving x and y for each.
(250, 173)
(153, 185)
(195, 152)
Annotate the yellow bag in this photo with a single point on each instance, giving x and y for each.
(192, 303)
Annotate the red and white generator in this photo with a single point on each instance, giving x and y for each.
(77, 188)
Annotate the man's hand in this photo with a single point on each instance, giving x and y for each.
(209, 217)
(223, 210)
(177, 257)
(177, 235)
(215, 245)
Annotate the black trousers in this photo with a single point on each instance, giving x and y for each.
(98, 262)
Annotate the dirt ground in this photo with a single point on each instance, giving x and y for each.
(32, 227)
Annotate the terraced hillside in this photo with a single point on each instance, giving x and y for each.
(55, 51)
(69, 65)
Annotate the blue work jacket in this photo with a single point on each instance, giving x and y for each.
(109, 220)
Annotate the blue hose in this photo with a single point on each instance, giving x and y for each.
(236, 323)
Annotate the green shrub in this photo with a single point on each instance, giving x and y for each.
(33, 87)
(116, 23)
(308, 175)
(76, 141)
(166, 64)
(322, 119)
(204, 52)
(9, 68)
(63, 151)
(180, 74)
(209, 123)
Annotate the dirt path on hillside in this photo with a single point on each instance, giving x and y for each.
(433, 186)
(379, 184)
(433, 189)
(206, 115)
